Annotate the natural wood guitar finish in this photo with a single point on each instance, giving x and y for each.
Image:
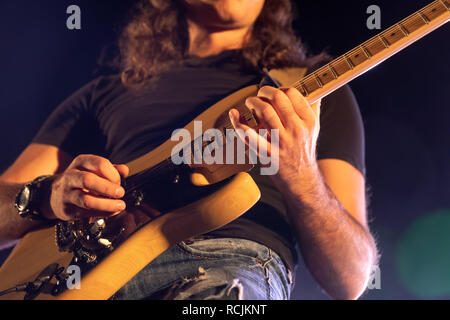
(38, 249)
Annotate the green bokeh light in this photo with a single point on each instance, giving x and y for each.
(423, 256)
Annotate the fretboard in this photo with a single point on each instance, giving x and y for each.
(347, 67)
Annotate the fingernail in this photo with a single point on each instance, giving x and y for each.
(234, 114)
(120, 192)
(121, 206)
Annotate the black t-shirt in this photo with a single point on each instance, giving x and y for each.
(107, 119)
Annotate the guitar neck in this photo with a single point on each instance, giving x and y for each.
(347, 67)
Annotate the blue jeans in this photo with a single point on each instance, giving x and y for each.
(212, 269)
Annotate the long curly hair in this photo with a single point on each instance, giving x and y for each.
(157, 36)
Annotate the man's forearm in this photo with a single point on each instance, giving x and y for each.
(12, 226)
(338, 250)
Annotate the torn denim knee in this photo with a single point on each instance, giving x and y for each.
(206, 285)
(265, 270)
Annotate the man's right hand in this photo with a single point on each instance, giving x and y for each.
(88, 188)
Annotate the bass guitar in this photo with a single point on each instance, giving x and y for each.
(167, 203)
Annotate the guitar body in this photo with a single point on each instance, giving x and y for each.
(224, 193)
(38, 249)
(168, 203)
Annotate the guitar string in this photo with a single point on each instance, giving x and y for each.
(373, 41)
(415, 22)
(132, 186)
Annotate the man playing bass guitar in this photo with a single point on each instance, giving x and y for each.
(178, 57)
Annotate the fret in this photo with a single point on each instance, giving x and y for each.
(386, 44)
(445, 4)
(349, 62)
(366, 52)
(424, 18)
(341, 66)
(433, 11)
(357, 56)
(393, 34)
(305, 91)
(375, 46)
(364, 56)
(403, 29)
(324, 76)
(333, 71)
(413, 23)
(318, 80)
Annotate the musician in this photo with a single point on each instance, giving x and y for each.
(177, 59)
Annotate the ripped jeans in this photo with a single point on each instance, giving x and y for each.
(212, 269)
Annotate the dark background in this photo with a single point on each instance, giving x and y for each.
(404, 103)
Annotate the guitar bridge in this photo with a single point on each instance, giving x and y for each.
(89, 242)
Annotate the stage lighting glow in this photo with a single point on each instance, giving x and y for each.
(423, 256)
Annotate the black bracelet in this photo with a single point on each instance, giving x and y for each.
(30, 198)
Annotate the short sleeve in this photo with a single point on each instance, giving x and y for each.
(342, 130)
(72, 126)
